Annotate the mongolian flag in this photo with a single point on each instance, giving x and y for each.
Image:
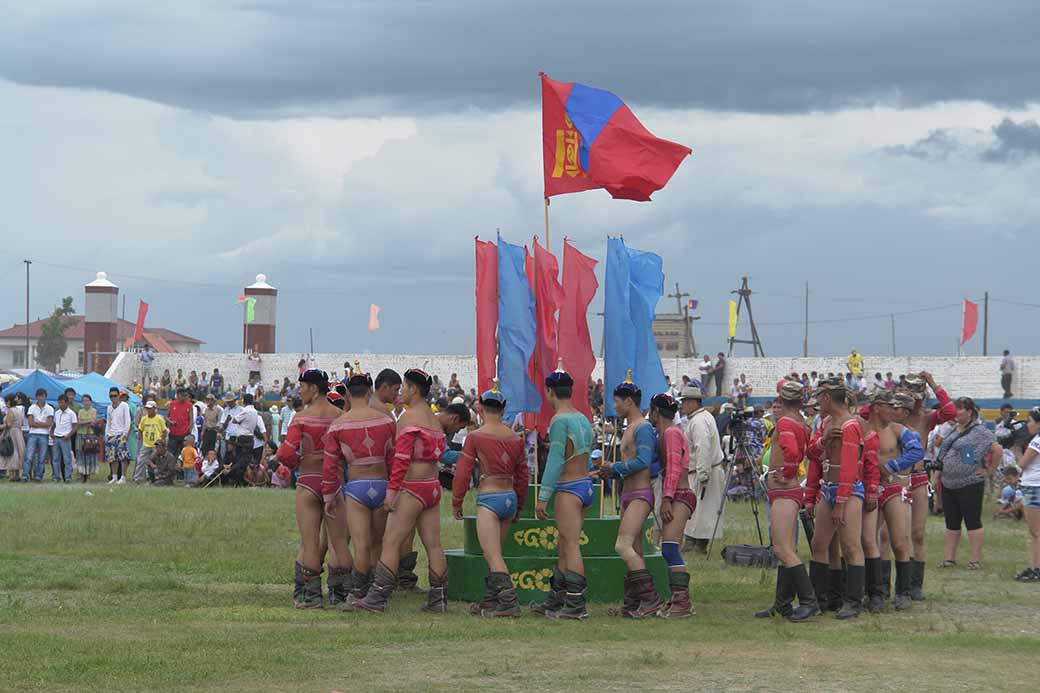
(590, 139)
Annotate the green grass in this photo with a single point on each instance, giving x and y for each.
(171, 589)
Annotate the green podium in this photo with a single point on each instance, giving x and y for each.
(530, 552)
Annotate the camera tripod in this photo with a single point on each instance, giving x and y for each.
(739, 444)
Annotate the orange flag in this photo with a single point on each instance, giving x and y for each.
(373, 318)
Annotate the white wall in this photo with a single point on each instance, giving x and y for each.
(974, 376)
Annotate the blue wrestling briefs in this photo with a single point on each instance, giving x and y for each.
(502, 503)
(369, 492)
(582, 488)
(829, 491)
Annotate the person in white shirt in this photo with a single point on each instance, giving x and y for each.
(1029, 484)
(117, 430)
(247, 423)
(41, 419)
(706, 472)
(65, 421)
(706, 370)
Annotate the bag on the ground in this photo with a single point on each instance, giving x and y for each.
(749, 556)
(6, 446)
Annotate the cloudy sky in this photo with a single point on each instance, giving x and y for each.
(888, 155)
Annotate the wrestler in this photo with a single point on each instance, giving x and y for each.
(363, 440)
(790, 438)
(870, 421)
(922, 421)
(302, 450)
(567, 477)
(638, 454)
(677, 502)
(835, 476)
(498, 456)
(413, 499)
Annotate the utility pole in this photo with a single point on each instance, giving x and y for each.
(27, 263)
(603, 336)
(892, 317)
(689, 348)
(744, 293)
(985, 324)
(805, 341)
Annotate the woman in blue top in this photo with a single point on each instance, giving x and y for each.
(567, 476)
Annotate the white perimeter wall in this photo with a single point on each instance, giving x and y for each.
(974, 376)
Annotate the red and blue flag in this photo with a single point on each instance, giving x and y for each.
(590, 139)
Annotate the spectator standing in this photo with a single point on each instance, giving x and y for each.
(152, 430)
(745, 390)
(1030, 487)
(720, 373)
(193, 382)
(216, 382)
(1007, 373)
(117, 431)
(181, 420)
(211, 418)
(855, 362)
(189, 457)
(967, 454)
(276, 425)
(290, 407)
(61, 456)
(41, 420)
(87, 442)
(707, 371)
(11, 430)
(706, 457)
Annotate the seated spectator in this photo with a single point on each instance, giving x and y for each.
(210, 468)
(162, 466)
(257, 475)
(1010, 505)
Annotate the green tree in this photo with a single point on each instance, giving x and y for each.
(52, 345)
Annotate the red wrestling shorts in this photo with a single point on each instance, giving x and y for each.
(311, 482)
(918, 479)
(426, 491)
(687, 497)
(890, 491)
(796, 494)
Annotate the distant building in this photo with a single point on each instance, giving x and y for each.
(674, 335)
(12, 343)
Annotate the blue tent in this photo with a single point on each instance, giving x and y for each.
(92, 384)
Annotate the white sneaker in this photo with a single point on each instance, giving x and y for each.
(113, 480)
(121, 480)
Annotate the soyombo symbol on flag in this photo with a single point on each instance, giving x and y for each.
(590, 139)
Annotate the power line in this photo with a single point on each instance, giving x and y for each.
(1015, 303)
(851, 318)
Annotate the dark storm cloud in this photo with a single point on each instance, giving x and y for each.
(281, 57)
(1015, 141)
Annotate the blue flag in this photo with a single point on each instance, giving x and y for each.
(516, 331)
(634, 284)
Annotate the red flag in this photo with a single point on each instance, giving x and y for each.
(142, 311)
(373, 317)
(487, 313)
(575, 344)
(590, 139)
(971, 320)
(548, 296)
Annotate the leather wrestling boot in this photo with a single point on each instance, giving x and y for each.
(836, 591)
(875, 602)
(554, 601)
(310, 593)
(853, 593)
(437, 596)
(679, 606)
(573, 607)
(297, 593)
(383, 583)
(903, 600)
(489, 600)
(917, 581)
(781, 599)
(407, 580)
(886, 580)
(645, 590)
(807, 605)
(629, 600)
(819, 576)
(339, 583)
(359, 584)
(506, 604)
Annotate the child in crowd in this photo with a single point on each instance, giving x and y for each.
(258, 474)
(189, 455)
(210, 467)
(1010, 497)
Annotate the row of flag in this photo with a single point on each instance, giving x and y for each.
(529, 321)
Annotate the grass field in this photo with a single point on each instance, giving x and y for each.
(172, 589)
